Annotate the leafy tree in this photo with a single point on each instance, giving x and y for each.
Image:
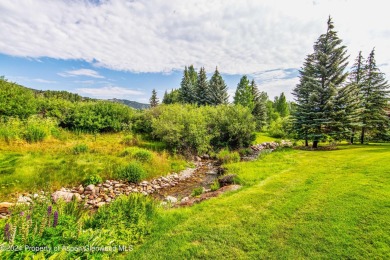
(374, 91)
(154, 99)
(281, 105)
(244, 94)
(260, 108)
(322, 79)
(171, 97)
(217, 90)
(16, 100)
(202, 88)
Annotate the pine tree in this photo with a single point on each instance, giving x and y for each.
(244, 95)
(260, 109)
(217, 90)
(154, 99)
(348, 102)
(188, 84)
(202, 88)
(327, 76)
(374, 91)
(303, 116)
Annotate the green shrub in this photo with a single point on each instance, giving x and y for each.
(34, 134)
(80, 148)
(215, 186)
(130, 216)
(139, 154)
(225, 156)
(130, 140)
(133, 172)
(143, 155)
(93, 179)
(197, 191)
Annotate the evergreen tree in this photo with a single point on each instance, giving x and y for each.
(154, 101)
(348, 102)
(260, 109)
(187, 86)
(171, 97)
(321, 85)
(281, 105)
(244, 95)
(217, 90)
(202, 91)
(374, 93)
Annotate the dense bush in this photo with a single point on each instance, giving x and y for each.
(16, 101)
(231, 126)
(191, 129)
(133, 172)
(99, 116)
(182, 128)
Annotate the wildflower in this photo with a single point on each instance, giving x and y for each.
(55, 221)
(22, 213)
(49, 210)
(7, 232)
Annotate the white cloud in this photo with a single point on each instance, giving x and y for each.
(108, 92)
(81, 72)
(160, 36)
(44, 81)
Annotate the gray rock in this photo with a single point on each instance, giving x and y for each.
(66, 196)
(24, 199)
(90, 187)
(171, 199)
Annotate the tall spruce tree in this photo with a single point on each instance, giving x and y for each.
(260, 108)
(202, 88)
(188, 85)
(217, 90)
(349, 100)
(154, 101)
(304, 116)
(327, 75)
(374, 91)
(244, 95)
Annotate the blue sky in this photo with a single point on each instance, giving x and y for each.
(125, 48)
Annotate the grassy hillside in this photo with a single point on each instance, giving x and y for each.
(53, 163)
(295, 204)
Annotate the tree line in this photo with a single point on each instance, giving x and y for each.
(196, 89)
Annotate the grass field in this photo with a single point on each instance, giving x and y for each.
(53, 163)
(294, 204)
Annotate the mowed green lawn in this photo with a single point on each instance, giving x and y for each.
(294, 204)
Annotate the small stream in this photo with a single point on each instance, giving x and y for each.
(204, 175)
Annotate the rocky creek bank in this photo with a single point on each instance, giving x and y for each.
(175, 189)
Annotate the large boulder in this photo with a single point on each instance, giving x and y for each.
(4, 207)
(65, 195)
(226, 180)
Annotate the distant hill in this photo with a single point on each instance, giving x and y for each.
(132, 104)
